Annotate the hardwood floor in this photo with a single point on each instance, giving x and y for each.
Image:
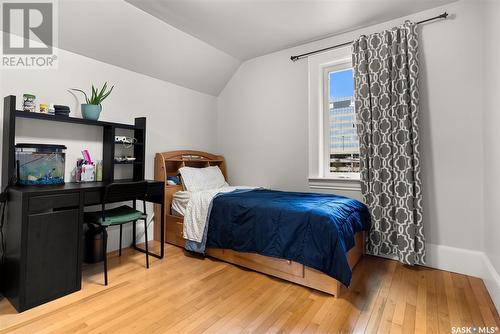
(182, 294)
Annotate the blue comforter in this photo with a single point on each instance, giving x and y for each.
(316, 230)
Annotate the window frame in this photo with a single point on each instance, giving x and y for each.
(326, 69)
(316, 178)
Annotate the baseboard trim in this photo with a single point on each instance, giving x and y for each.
(457, 260)
(467, 262)
(493, 282)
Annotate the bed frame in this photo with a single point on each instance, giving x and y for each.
(168, 164)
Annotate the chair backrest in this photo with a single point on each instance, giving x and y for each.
(124, 191)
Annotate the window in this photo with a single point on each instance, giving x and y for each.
(341, 143)
(332, 135)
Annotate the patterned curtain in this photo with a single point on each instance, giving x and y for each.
(387, 105)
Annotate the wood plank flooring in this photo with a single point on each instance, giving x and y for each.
(182, 294)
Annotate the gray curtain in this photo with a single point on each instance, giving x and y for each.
(387, 105)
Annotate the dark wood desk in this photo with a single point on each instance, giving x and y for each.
(44, 231)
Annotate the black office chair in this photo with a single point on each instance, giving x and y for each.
(119, 192)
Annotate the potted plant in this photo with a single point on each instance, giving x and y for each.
(92, 108)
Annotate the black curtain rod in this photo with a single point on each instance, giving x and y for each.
(305, 55)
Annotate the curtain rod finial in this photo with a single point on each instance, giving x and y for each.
(294, 58)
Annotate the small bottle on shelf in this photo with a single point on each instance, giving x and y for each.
(98, 171)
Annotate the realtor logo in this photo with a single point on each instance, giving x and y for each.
(28, 35)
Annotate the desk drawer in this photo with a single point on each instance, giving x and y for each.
(41, 203)
(92, 197)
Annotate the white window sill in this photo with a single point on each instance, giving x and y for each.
(335, 183)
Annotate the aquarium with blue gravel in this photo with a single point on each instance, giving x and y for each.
(40, 164)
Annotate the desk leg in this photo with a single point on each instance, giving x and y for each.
(133, 232)
(162, 237)
(134, 228)
(162, 231)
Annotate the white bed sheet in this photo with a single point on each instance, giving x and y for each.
(194, 206)
(180, 201)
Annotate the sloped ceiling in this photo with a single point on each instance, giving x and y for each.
(199, 44)
(115, 32)
(250, 28)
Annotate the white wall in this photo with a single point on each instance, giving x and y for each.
(262, 117)
(177, 117)
(262, 130)
(491, 140)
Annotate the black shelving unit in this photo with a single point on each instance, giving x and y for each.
(109, 131)
(66, 119)
(44, 224)
(109, 146)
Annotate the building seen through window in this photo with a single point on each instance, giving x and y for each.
(344, 141)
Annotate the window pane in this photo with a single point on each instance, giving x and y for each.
(344, 143)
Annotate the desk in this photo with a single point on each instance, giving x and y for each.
(44, 230)
(44, 224)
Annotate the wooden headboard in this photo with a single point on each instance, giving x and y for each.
(168, 164)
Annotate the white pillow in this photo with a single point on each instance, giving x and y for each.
(199, 179)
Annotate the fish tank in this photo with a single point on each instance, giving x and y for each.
(40, 164)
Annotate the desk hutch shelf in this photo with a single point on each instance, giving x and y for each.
(109, 131)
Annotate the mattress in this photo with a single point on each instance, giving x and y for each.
(316, 230)
(180, 201)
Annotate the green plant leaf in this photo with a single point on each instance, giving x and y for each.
(84, 94)
(101, 93)
(97, 95)
(94, 95)
(107, 94)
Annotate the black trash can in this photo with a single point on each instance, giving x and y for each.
(92, 249)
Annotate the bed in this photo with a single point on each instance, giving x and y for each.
(168, 164)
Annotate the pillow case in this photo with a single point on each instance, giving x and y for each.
(199, 179)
